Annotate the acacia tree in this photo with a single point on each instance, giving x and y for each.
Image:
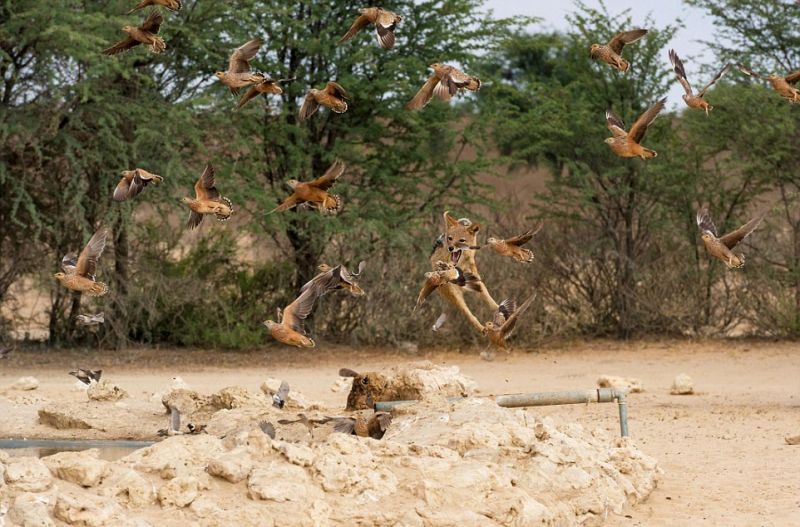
(168, 114)
(551, 111)
(762, 138)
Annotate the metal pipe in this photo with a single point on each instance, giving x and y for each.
(595, 395)
(73, 443)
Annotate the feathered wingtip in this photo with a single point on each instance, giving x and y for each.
(230, 206)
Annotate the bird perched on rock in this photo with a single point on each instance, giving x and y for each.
(79, 273)
(133, 182)
(626, 144)
(512, 247)
(500, 328)
(692, 100)
(146, 34)
(238, 74)
(174, 427)
(722, 248)
(90, 320)
(172, 5)
(611, 53)
(332, 96)
(87, 376)
(279, 397)
(783, 85)
(207, 200)
(266, 87)
(446, 273)
(315, 192)
(385, 23)
(339, 277)
(196, 429)
(445, 82)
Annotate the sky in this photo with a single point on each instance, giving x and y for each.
(695, 26)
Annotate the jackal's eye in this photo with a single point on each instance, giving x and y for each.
(364, 381)
(450, 238)
(462, 240)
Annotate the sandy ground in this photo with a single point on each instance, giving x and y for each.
(722, 449)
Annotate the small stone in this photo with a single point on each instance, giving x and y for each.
(25, 384)
(279, 482)
(793, 440)
(105, 391)
(682, 385)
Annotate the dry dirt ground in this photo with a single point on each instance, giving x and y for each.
(722, 449)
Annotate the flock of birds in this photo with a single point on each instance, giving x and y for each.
(79, 271)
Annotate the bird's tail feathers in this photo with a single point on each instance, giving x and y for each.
(223, 217)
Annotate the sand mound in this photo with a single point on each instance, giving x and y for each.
(468, 463)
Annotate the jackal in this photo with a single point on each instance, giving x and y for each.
(458, 245)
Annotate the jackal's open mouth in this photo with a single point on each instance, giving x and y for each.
(455, 256)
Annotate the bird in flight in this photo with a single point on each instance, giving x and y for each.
(146, 34)
(385, 23)
(721, 248)
(207, 200)
(445, 82)
(315, 192)
(512, 247)
(611, 53)
(79, 272)
(133, 182)
(785, 86)
(446, 273)
(238, 75)
(694, 101)
(332, 96)
(626, 144)
(87, 376)
(500, 328)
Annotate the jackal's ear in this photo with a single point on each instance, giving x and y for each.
(474, 228)
(449, 221)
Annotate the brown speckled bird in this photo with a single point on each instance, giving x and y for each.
(385, 23)
(512, 247)
(783, 85)
(332, 96)
(315, 192)
(722, 248)
(238, 74)
(133, 182)
(445, 82)
(79, 272)
(207, 200)
(146, 34)
(499, 329)
(611, 53)
(172, 5)
(694, 101)
(333, 278)
(265, 87)
(626, 144)
(375, 426)
(446, 273)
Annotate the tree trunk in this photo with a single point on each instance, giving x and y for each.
(120, 280)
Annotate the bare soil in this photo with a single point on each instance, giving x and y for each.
(722, 449)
